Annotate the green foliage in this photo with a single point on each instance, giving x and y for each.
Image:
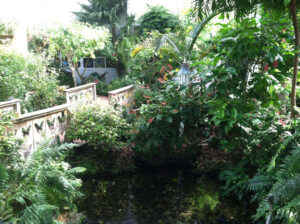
(282, 184)
(99, 12)
(39, 188)
(29, 75)
(100, 127)
(158, 18)
(103, 88)
(167, 122)
(76, 41)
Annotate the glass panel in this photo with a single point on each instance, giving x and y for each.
(100, 63)
(88, 63)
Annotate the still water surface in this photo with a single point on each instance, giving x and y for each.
(165, 196)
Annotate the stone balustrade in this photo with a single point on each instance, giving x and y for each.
(33, 127)
(121, 96)
(12, 105)
(81, 95)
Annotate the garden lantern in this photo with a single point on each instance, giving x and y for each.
(183, 75)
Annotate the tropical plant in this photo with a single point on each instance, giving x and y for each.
(245, 7)
(99, 12)
(167, 122)
(158, 18)
(278, 189)
(77, 41)
(38, 189)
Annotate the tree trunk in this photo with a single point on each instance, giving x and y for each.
(293, 9)
(72, 71)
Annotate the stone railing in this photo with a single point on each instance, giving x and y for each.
(121, 96)
(33, 127)
(81, 95)
(36, 126)
(12, 105)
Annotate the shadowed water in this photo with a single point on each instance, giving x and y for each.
(160, 196)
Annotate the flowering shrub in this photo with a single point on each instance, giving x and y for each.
(104, 128)
(166, 124)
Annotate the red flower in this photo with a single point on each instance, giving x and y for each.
(135, 132)
(209, 94)
(283, 40)
(96, 81)
(147, 86)
(148, 97)
(283, 30)
(282, 122)
(150, 120)
(170, 66)
(175, 111)
(164, 103)
(275, 64)
(160, 80)
(258, 145)
(266, 67)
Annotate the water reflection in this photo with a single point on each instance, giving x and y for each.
(165, 196)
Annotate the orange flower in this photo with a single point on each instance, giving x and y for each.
(164, 103)
(148, 97)
(175, 111)
(162, 70)
(150, 120)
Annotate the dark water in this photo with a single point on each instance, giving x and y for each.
(160, 196)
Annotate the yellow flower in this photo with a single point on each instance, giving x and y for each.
(136, 50)
(176, 69)
(160, 56)
(170, 60)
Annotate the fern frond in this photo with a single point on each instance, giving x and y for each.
(291, 164)
(259, 182)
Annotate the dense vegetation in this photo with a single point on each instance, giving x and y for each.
(234, 115)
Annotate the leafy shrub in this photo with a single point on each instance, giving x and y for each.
(21, 75)
(168, 123)
(101, 127)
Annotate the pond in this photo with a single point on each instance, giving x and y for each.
(171, 196)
